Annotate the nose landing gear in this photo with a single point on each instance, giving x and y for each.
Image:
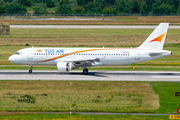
(30, 71)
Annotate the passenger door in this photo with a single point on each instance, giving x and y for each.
(30, 54)
(137, 55)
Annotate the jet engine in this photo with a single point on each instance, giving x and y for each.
(65, 66)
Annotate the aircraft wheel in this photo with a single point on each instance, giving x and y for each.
(30, 71)
(85, 71)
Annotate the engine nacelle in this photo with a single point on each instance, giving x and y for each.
(64, 66)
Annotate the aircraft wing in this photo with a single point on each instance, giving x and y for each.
(87, 62)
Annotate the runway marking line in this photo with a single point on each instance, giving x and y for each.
(165, 77)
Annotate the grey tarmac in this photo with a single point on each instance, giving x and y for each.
(165, 76)
(94, 26)
(82, 113)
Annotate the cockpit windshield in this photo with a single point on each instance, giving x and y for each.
(18, 53)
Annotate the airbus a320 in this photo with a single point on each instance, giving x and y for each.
(67, 59)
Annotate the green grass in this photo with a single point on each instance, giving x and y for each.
(167, 99)
(125, 97)
(19, 67)
(100, 95)
(26, 32)
(84, 117)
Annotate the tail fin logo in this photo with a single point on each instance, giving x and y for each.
(159, 39)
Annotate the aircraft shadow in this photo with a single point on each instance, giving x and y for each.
(97, 74)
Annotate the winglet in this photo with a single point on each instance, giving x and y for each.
(157, 38)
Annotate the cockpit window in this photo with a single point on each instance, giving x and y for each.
(18, 53)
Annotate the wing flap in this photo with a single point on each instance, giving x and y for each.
(88, 61)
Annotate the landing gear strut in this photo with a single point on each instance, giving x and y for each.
(30, 71)
(85, 71)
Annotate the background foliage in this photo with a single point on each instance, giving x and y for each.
(142, 7)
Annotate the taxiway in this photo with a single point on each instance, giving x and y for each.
(94, 26)
(168, 76)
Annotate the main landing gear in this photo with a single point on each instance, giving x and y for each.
(30, 71)
(85, 71)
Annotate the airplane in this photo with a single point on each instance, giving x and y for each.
(67, 59)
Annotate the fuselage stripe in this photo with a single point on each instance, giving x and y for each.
(77, 52)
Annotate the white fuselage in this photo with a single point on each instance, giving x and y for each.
(67, 59)
(106, 56)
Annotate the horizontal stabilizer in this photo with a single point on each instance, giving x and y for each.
(153, 54)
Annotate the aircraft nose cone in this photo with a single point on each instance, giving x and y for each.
(11, 59)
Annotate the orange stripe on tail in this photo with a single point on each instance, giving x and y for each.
(159, 39)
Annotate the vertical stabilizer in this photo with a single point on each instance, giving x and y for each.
(157, 38)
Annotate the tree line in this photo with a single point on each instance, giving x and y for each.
(93, 7)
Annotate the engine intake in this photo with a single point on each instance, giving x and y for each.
(64, 66)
